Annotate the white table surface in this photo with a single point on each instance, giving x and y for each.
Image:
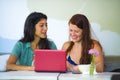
(98, 76)
(32, 75)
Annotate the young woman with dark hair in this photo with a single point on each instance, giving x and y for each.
(35, 37)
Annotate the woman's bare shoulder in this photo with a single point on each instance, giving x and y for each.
(66, 45)
(98, 47)
(97, 44)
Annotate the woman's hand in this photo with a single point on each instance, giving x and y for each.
(29, 68)
(76, 69)
(72, 67)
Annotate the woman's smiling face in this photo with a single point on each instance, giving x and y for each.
(75, 33)
(41, 28)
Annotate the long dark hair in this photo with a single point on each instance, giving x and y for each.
(82, 22)
(29, 29)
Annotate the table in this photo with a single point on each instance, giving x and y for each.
(32, 75)
(29, 75)
(98, 76)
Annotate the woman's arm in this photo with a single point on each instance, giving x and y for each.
(99, 60)
(11, 64)
(70, 67)
(64, 47)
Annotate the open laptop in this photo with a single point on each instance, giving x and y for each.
(50, 60)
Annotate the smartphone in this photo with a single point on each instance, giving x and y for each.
(73, 72)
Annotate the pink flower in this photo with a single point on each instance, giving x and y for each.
(92, 51)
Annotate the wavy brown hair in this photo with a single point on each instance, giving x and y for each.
(82, 22)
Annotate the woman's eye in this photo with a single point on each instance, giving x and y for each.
(46, 25)
(41, 25)
(70, 30)
(76, 31)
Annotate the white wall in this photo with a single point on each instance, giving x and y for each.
(105, 24)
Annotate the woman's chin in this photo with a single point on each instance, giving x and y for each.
(43, 36)
(74, 40)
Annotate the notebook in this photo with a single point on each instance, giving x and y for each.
(50, 60)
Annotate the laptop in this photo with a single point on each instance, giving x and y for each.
(50, 60)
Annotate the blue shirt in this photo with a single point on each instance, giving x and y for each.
(24, 52)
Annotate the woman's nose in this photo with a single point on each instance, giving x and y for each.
(45, 28)
(72, 33)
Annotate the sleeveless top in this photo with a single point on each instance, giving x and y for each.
(71, 61)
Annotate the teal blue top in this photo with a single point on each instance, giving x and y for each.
(24, 52)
